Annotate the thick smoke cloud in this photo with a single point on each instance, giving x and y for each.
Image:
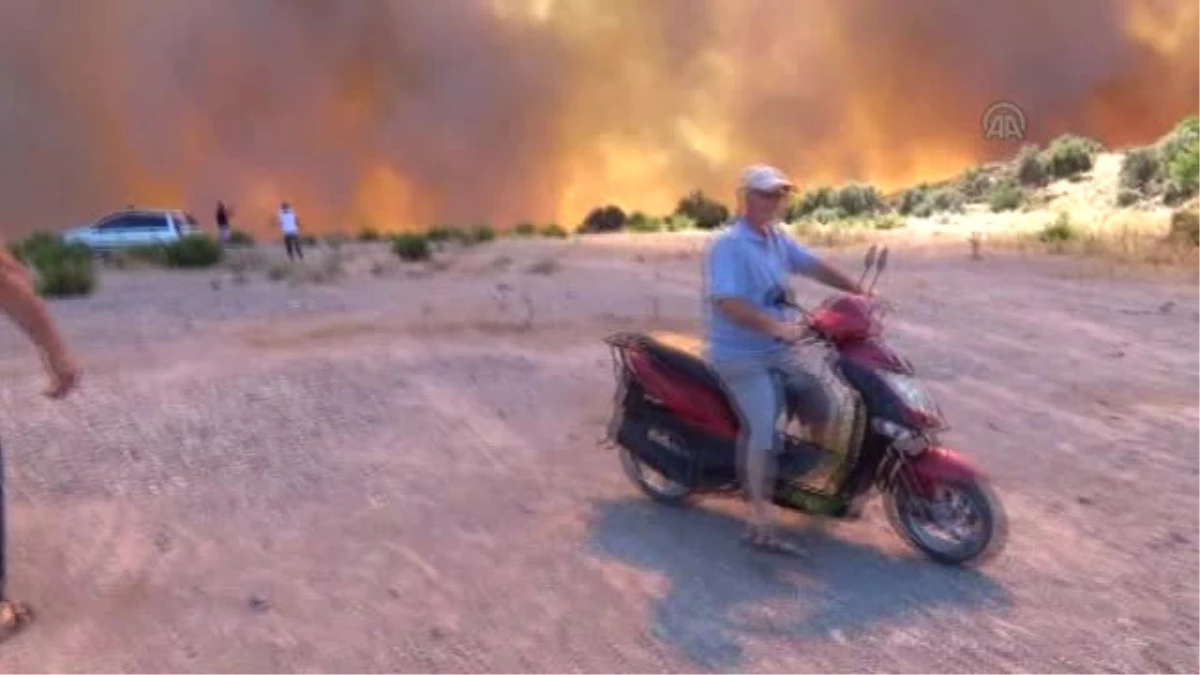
(408, 112)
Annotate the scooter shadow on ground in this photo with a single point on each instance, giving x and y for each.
(724, 594)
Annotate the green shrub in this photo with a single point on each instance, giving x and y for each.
(678, 223)
(441, 233)
(553, 231)
(708, 213)
(1140, 169)
(67, 277)
(308, 240)
(525, 230)
(481, 233)
(1184, 170)
(369, 233)
(608, 218)
(974, 184)
(1006, 196)
(945, 199)
(823, 197)
(913, 199)
(858, 199)
(241, 238)
(39, 246)
(1181, 140)
(411, 247)
(63, 270)
(1030, 167)
(852, 199)
(640, 222)
(1070, 156)
(1127, 197)
(194, 250)
(1058, 231)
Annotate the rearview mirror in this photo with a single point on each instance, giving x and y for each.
(869, 260)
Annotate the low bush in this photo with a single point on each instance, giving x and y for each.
(1070, 156)
(369, 233)
(480, 234)
(640, 222)
(195, 250)
(679, 223)
(706, 212)
(1007, 195)
(441, 233)
(1029, 167)
(1127, 197)
(974, 184)
(241, 238)
(604, 219)
(62, 270)
(411, 247)
(1184, 171)
(1140, 170)
(553, 231)
(850, 200)
(525, 230)
(1060, 230)
(924, 201)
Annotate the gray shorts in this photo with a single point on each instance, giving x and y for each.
(754, 386)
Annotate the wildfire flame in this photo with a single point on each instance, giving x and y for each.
(408, 112)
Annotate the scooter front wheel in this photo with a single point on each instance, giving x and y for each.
(656, 486)
(960, 523)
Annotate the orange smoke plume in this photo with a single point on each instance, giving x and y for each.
(408, 112)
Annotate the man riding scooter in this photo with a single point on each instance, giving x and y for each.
(749, 335)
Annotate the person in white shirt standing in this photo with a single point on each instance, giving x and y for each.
(291, 232)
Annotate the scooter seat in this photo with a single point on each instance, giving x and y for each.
(685, 354)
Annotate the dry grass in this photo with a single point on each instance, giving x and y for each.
(327, 269)
(1123, 241)
(833, 235)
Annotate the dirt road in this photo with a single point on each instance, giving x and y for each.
(398, 473)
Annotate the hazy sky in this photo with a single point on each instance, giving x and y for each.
(409, 112)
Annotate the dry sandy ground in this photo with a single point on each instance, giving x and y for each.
(400, 472)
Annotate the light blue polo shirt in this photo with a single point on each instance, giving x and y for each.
(744, 263)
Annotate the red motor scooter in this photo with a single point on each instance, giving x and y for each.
(677, 434)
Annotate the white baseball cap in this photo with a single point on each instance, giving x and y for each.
(763, 178)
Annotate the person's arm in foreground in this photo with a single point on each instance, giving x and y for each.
(804, 262)
(19, 301)
(726, 290)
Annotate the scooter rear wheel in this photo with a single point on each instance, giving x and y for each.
(656, 486)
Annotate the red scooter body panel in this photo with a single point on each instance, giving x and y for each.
(873, 353)
(697, 405)
(938, 465)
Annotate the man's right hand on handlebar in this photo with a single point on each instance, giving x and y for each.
(788, 332)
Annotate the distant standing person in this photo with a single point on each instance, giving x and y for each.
(291, 232)
(223, 231)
